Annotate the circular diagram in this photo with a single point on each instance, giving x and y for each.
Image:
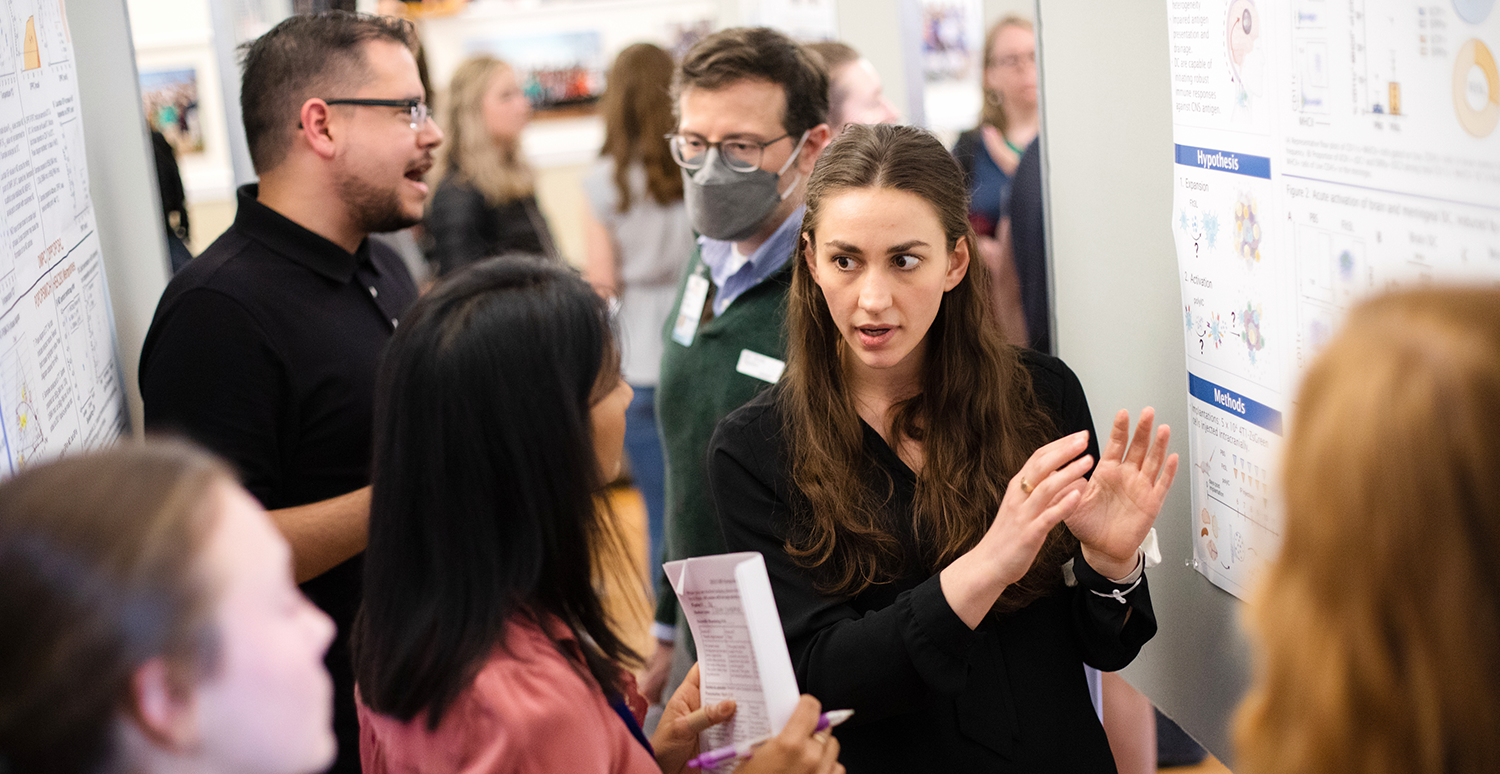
(1476, 89)
(1473, 11)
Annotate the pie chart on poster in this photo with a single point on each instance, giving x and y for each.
(1476, 88)
(1473, 11)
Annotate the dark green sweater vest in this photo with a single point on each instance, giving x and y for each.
(699, 386)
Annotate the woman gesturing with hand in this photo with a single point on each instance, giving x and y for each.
(977, 579)
(919, 489)
(1124, 495)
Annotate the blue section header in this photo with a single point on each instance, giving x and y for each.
(1235, 403)
(1224, 161)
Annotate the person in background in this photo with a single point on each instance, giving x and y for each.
(988, 154)
(485, 202)
(1378, 624)
(855, 94)
(752, 109)
(174, 209)
(152, 624)
(264, 347)
(638, 243)
(1024, 252)
(943, 563)
(482, 645)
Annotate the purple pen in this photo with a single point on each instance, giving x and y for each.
(713, 758)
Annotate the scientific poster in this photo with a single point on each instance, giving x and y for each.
(1325, 150)
(60, 384)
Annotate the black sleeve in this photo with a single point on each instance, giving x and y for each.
(457, 227)
(1110, 631)
(963, 153)
(212, 375)
(1029, 245)
(1112, 620)
(521, 229)
(916, 646)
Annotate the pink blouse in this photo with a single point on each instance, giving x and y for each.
(529, 710)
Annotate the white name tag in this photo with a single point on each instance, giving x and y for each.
(758, 366)
(691, 311)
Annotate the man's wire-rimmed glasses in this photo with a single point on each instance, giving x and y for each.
(741, 154)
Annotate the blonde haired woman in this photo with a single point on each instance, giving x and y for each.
(990, 152)
(485, 202)
(1379, 623)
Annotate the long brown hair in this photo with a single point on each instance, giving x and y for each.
(1380, 620)
(495, 169)
(637, 109)
(993, 110)
(100, 572)
(977, 415)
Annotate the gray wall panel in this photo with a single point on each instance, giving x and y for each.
(1118, 313)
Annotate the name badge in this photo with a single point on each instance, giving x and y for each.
(758, 366)
(691, 311)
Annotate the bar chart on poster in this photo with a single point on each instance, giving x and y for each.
(61, 386)
(1325, 151)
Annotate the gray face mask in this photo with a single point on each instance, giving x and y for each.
(732, 206)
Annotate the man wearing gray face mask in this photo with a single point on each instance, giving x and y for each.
(752, 109)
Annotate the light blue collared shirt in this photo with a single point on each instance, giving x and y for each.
(765, 261)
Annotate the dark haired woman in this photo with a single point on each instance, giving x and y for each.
(482, 645)
(639, 241)
(905, 486)
(149, 623)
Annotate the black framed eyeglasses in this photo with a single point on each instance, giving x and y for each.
(416, 108)
(741, 154)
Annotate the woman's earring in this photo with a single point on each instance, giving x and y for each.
(991, 97)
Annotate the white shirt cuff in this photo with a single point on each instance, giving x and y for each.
(1135, 575)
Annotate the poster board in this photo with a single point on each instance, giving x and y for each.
(1325, 151)
(62, 388)
(1110, 173)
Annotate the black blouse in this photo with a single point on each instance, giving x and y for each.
(929, 693)
(463, 228)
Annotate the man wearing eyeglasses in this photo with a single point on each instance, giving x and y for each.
(752, 109)
(264, 348)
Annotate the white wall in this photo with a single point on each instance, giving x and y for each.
(1108, 164)
(178, 34)
(122, 179)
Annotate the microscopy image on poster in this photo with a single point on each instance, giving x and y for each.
(1325, 150)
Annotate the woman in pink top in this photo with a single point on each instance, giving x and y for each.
(482, 645)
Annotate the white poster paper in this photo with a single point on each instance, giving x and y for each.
(61, 389)
(1325, 150)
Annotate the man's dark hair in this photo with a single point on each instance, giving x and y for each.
(301, 58)
(760, 54)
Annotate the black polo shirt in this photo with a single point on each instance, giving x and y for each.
(264, 349)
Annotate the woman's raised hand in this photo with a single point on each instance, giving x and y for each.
(1043, 493)
(1124, 495)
